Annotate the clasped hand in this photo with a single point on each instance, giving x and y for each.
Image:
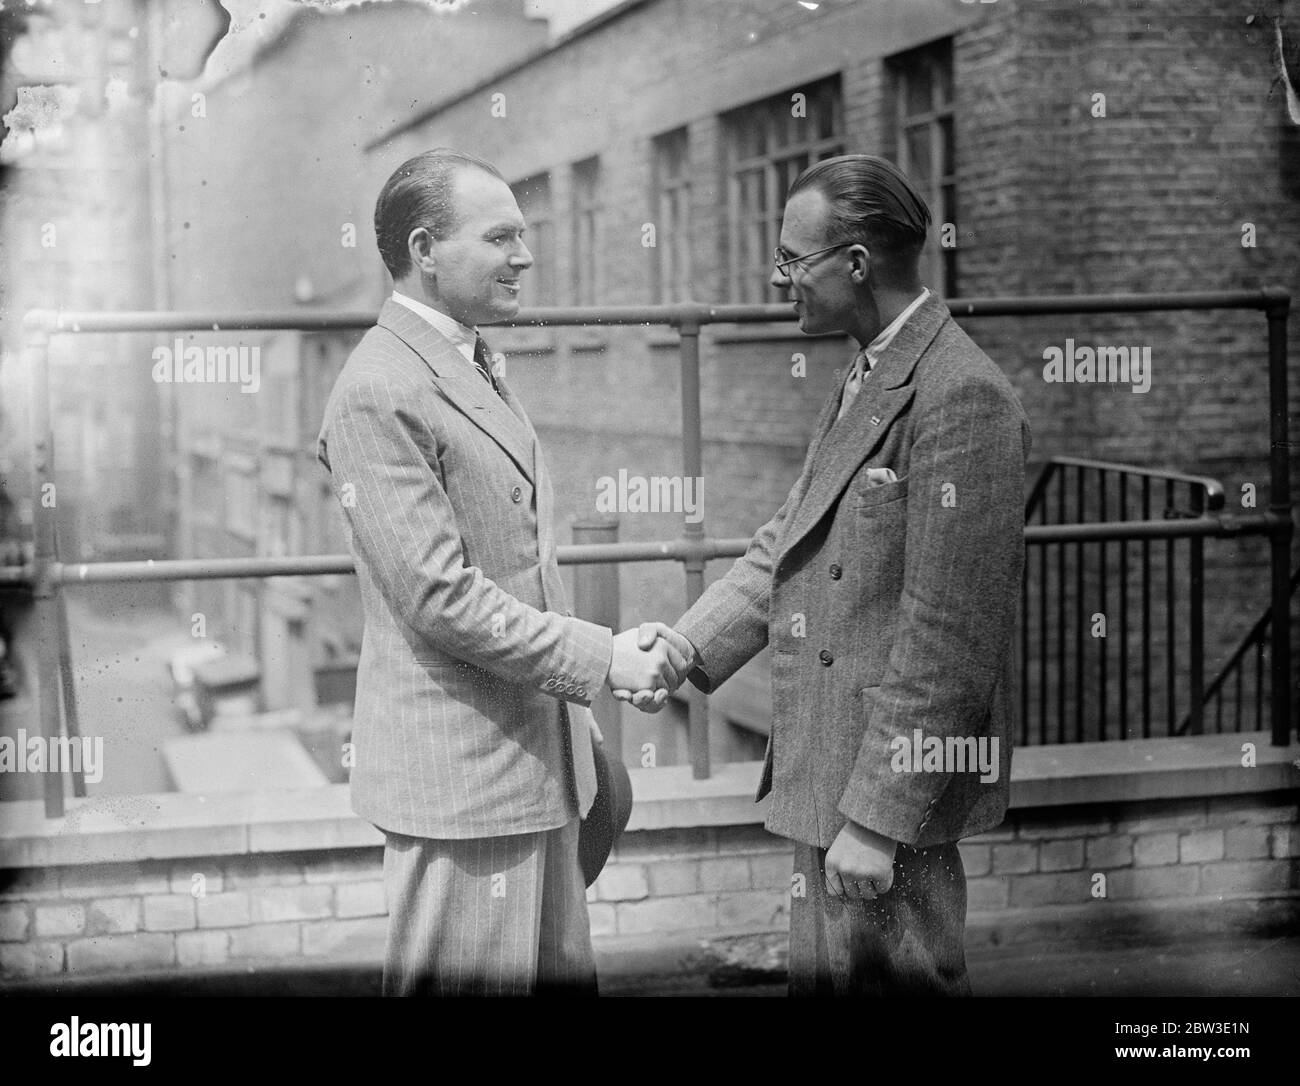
(649, 663)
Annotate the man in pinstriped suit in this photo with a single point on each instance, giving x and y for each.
(472, 726)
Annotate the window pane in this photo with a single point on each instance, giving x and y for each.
(918, 89)
(918, 156)
(586, 242)
(534, 196)
(943, 75)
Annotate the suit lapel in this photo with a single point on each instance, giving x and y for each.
(461, 384)
(552, 586)
(844, 444)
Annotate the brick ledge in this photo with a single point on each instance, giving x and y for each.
(172, 825)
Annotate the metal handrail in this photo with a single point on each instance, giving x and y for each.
(1254, 639)
(1210, 487)
(49, 574)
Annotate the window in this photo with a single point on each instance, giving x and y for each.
(241, 497)
(923, 133)
(586, 231)
(767, 145)
(672, 210)
(534, 196)
(276, 537)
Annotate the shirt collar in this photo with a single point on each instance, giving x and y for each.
(877, 346)
(460, 335)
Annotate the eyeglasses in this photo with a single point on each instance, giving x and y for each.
(783, 260)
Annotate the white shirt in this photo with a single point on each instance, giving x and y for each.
(870, 354)
(461, 336)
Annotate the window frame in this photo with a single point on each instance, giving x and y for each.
(671, 187)
(585, 207)
(772, 167)
(938, 264)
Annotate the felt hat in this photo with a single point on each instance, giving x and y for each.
(608, 816)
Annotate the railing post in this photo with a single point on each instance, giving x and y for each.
(43, 529)
(1196, 607)
(693, 472)
(1279, 455)
(596, 599)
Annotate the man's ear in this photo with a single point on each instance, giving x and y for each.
(859, 264)
(419, 247)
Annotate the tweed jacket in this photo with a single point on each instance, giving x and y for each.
(889, 601)
(469, 656)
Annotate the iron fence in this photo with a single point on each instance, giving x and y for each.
(48, 574)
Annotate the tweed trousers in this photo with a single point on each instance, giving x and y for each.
(909, 941)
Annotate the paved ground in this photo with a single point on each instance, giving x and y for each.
(124, 694)
(1214, 967)
(647, 967)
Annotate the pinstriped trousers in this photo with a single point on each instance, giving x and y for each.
(487, 915)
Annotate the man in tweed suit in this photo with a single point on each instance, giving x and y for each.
(471, 728)
(887, 587)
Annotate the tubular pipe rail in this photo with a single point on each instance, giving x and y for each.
(48, 574)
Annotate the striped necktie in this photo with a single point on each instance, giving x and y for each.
(483, 362)
(860, 368)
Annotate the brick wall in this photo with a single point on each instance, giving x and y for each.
(1051, 199)
(1149, 853)
(204, 913)
(1034, 875)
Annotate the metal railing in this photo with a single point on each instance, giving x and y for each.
(1088, 590)
(49, 574)
(1247, 691)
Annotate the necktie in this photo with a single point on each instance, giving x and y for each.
(860, 368)
(483, 362)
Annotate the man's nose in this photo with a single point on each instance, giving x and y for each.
(779, 279)
(522, 257)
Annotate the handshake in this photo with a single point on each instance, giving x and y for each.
(649, 663)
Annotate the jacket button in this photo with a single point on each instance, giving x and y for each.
(825, 657)
(837, 572)
(517, 494)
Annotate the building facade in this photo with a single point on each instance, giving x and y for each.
(1063, 148)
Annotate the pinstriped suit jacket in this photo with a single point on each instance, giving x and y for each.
(905, 594)
(468, 642)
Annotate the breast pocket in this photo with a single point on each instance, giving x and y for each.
(873, 497)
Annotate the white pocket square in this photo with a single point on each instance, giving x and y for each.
(880, 476)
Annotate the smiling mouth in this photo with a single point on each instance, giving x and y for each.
(511, 285)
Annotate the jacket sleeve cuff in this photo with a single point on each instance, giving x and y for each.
(900, 817)
(582, 671)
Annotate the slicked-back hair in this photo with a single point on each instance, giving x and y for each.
(871, 201)
(419, 193)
